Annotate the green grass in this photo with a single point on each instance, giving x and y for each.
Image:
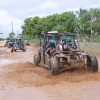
(91, 47)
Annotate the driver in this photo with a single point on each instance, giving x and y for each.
(52, 43)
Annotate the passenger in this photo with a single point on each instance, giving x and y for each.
(69, 42)
(60, 46)
(64, 45)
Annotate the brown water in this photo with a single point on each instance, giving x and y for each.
(21, 80)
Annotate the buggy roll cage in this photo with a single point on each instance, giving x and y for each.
(45, 35)
(59, 34)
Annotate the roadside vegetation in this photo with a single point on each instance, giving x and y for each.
(84, 22)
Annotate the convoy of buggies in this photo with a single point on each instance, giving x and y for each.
(16, 44)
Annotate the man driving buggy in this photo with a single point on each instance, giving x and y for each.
(51, 43)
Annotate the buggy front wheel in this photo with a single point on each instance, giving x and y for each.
(24, 49)
(93, 64)
(53, 66)
(12, 50)
(36, 59)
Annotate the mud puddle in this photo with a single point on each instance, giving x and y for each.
(34, 82)
(4, 51)
(19, 68)
(26, 74)
(6, 61)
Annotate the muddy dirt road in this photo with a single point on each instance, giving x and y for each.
(21, 80)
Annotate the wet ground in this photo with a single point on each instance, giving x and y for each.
(21, 80)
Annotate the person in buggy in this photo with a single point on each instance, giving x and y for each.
(66, 44)
(51, 43)
(69, 41)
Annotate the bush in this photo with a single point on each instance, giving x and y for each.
(94, 38)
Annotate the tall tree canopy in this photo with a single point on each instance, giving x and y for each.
(83, 22)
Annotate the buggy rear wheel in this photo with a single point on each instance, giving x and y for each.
(53, 66)
(12, 50)
(9, 46)
(24, 49)
(93, 64)
(36, 59)
(27, 44)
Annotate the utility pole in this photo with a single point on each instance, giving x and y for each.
(12, 26)
(12, 34)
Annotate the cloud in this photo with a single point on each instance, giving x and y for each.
(18, 10)
(49, 5)
(5, 22)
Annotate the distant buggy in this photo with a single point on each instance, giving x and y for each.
(60, 51)
(18, 45)
(9, 43)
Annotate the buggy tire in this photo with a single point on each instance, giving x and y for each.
(28, 44)
(12, 50)
(9, 46)
(53, 66)
(93, 64)
(24, 49)
(36, 59)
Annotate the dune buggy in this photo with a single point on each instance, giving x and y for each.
(60, 51)
(18, 45)
(10, 42)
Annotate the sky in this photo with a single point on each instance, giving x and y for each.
(17, 10)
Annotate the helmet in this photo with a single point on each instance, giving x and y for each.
(69, 39)
(52, 41)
